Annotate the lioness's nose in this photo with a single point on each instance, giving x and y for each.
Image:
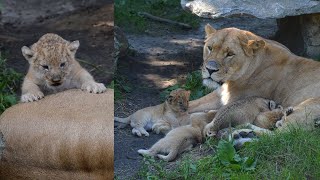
(212, 66)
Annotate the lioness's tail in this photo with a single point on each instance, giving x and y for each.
(123, 120)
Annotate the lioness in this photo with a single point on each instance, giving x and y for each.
(53, 68)
(161, 118)
(261, 112)
(249, 65)
(180, 139)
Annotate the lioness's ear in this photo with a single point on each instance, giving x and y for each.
(209, 30)
(256, 44)
(27, 53)
(73, 46)
(251, 46)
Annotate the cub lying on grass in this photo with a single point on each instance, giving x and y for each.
(161, 118)
(182, 138)
(53, 68)
(261, 112)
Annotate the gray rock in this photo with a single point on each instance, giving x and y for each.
(257, 8)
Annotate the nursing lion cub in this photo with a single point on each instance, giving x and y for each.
(260, 112)
(53, 68)
(180, 139)
(161, 118)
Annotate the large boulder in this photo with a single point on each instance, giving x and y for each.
(68, 135)
(258, 8)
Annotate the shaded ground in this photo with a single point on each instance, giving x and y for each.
(93, 27)
(162, 58)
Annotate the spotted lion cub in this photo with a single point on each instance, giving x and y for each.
(260, 112)
(53, 68)
(182, 138)
(161, 118)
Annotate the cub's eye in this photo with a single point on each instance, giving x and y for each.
(62, 64)
(180, 103)
(46, 67)
(210, 48)
(230, 54)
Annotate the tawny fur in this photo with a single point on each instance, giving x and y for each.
(250, 65)
(261, 112)
(161, 118)
(53, 68)
(180, 139)
(59, 137)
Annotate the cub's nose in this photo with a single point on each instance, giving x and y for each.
(212, 66)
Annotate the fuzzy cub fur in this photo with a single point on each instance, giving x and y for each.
(53, 68)
(161, 118)
(182, 138)
(261, 112)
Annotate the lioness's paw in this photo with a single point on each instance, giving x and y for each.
(289, 110)
(29, 97)
(94, 87)
(208, 132)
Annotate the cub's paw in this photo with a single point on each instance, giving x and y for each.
(139, 133)
(288, 111)
(208, 132)
(30, 97)
(272, 105)
(144, 152)
(94, 87)
(279, 123)
(161, 128)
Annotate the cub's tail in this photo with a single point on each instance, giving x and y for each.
(123, 120)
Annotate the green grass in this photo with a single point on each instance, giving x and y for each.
(193, 83)
(9, 82)
(121, 86)
(294, 154)
(127, 13)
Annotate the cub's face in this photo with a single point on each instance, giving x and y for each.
(178, 100)
(227, 55)
(51, 58)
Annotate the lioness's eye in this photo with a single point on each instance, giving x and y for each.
(230, 54)
(210, 48)
(62, 64)
(45, 67)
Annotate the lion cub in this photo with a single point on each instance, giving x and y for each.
(53, 68)
(182, 138)
(261, 112)
(161, 118)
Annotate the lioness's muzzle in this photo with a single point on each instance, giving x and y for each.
(212, 66)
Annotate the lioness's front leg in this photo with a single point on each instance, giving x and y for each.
(30, 91)
(206, 103)
(87, 83)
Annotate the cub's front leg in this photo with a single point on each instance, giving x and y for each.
(87, 83)
(30, 91)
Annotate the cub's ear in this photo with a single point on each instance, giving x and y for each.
(169, 99)
(73, 46)
(251, 46)
(187, 93)
(27, 53)
(209, 30)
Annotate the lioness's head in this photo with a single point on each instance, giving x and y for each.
(228, 54)
(51, 58)
(178, 100)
